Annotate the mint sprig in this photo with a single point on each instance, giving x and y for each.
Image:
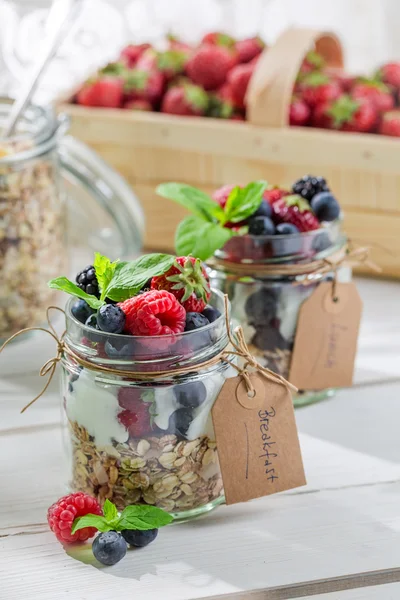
(141, 517)
(204, 232)
(117, 280)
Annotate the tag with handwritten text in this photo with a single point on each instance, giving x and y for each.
(257, 440)
(326, 338)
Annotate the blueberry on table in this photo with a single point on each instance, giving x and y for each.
(179, 421)
(190, 395)
(264, 210)
(111, 318)
(211, 313)
(109, 547)
(92, 322)
(325, 206)
(261, 226)
(139, 539)
(195, 321)
(261, 306)
(81, 311)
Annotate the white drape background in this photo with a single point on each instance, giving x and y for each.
(368, 28)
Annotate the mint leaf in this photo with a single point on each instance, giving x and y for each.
(110, 511)
(65, 285)
(143, 518)
(243, 202)
(130, 277)
(104, 271)
(193, 199)
(90, 520)
(199, 238)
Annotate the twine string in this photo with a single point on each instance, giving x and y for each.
(236, 347)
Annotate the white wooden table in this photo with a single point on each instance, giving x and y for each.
(336, 539)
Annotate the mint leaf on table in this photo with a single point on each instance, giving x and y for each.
(243, 202)
(198, 202)
(104, 269)
(65, 285)
(129, 277)
(90, 520)
(200, 238)
(143, 517)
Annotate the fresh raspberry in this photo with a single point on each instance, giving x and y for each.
(135, 416)
(188, 281)
(154, 313)
(294, 209)
(209, 65)
(62, 514)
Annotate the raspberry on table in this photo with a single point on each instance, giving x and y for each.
(156, 312)
(62, 514)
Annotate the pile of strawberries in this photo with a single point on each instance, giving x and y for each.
(209, 79)
(331, 99)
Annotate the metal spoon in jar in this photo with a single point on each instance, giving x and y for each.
(61, 17)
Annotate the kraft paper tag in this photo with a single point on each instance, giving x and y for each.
(326, 339)
(257, 440)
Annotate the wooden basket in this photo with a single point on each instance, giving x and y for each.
(150, 148)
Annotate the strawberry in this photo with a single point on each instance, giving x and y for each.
(317, 88)
(390, 74)
(136, 416)
(345, 80)
(143, 105)
(237, 116)
(217, 38)
(390, 124)
(376, 92)
(147, 61)
(130, 54)
(174, 43)
(172, 62)
(238, 79)
(188, 281)
(312, 62)
(249, 49)
(221, 103)
(274, 194)
(295, 210)
(187, 100)
(144, 85)
(299, 112)
(105, 91)
(346, 114)
(209, 66)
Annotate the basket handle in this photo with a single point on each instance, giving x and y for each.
(271, 86)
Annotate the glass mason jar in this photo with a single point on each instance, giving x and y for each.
(43, 212)
(145, 437)
(259, 275)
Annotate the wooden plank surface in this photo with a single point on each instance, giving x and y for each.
(340, 531)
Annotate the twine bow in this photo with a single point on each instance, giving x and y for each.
(50, 365)
(239, 346)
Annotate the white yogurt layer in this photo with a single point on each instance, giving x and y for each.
(95, 408)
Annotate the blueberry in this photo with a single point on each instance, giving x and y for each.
(109, 547)
(190, 395)
(81, 310)
(111, 318)
(264, 210)
(211, 313)
(321, 242)
(261, 306)
(286, 229)
(325, 206)
(92, 321)
(179, 421)
(269, 338)
(135, 537)
(195, 321)
(261, 226)
(119, 348)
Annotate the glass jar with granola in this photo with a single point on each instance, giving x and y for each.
(140, 378)
(45, 218)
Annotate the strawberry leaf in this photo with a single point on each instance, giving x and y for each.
(199, 238)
